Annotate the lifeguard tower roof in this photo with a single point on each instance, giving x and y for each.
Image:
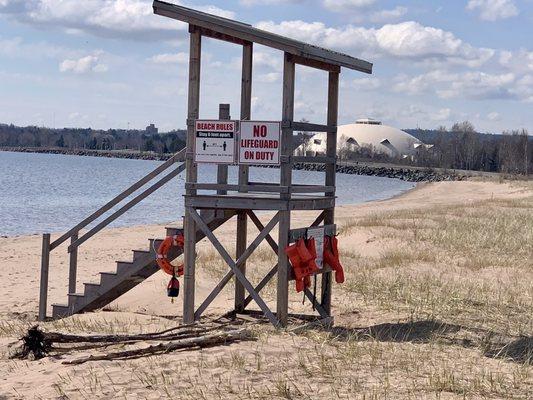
(219, 27)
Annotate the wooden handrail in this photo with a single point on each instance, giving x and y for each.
(179, 156)
(126, 207)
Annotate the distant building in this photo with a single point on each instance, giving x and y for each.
(151, 129)
(370, 133)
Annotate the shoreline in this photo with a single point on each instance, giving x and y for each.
(417, 186)
(402, 172)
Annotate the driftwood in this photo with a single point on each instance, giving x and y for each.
(38, 343)
(188, 344)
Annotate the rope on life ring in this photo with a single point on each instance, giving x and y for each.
(162, 254)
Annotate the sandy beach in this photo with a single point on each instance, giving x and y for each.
(438, 303)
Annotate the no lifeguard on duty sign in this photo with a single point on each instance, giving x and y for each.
(259, 143)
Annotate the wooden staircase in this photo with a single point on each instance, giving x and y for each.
(128, 274)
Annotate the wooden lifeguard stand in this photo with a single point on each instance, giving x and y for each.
(208, 200)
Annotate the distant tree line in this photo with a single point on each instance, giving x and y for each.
(461, 147)
(73, 138)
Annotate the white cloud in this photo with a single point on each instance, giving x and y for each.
(18, 48)
(131, 19)
(266, 60)
(441, 115)
(475, 85)
(248, 3)
(388, 15)
(520, 61)
(494, 116)
(366, 83)
(168, 58)
(345, 5)
(406, 40)
(83, 65)
(492, 10)
(270, 77)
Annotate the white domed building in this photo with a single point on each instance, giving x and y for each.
(372, 134)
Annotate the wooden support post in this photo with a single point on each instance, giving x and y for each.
(331, 151)
(246, 99)
(45, 263)
(222, 169)
(242, 220)
(73, 265)
(189, 249)
(285, 180)
(240, 292)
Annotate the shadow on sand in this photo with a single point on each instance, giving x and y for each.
(494, 345)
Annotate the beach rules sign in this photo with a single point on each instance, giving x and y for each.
(215, 142)
(259, 142)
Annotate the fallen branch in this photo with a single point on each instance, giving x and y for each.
(38, 344)
(190, 344)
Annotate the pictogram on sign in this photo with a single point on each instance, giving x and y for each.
(214, 142)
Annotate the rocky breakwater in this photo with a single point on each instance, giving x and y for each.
(409, 174)
(403, 173)
(92, 153)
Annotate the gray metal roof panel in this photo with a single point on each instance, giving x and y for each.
(248, 32)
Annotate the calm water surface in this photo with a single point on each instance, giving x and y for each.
(52, 193)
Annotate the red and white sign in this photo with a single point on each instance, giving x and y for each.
(259, 142)
(214, 142)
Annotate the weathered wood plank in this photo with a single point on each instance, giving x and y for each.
(136, 200)
(240, 249)
(137, 185)
(73, 266)
(323, 313)
(285, 180)
(195, 51)
(308, 127)
(45, 264)
(249, 33)
(221, 36)
(246, 102)
(331, 150)
(313, 63)
(222, 169)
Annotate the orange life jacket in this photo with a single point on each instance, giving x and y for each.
(302, 258)
(331, 257)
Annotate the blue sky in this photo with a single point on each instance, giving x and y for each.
(113, 64)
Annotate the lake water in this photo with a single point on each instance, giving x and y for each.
(52, 193)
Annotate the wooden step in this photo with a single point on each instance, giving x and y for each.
(128, 274)
(92, 289)
(107, 277)
(60, 311)
(124, 267)
(74, 298)
(173, 230)
(140, 253)
(154, 244)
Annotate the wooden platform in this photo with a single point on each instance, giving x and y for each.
(259, 201)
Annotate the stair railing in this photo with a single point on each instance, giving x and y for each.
(74, 233)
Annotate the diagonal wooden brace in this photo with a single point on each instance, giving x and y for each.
(257, 222)
(316, 304)
(274, 270)
(234, 265)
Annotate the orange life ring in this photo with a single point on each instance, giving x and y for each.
(162, 254)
